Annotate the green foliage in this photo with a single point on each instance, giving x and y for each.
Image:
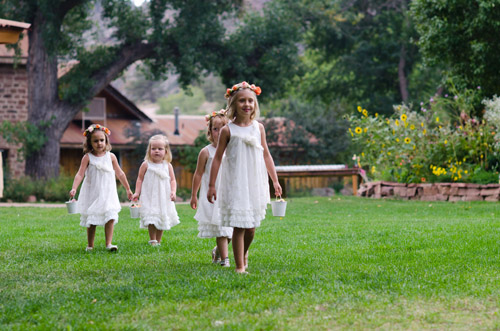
(264, 51)
(51, 190)
(189, 102)
(331, 263)
(461, 35)
(189, 154)
(421, 146)
(30, 137)
(362, 52)
(316, 132)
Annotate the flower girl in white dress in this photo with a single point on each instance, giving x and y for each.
(156, 187)
(98, 202)
(207, 214)
(243, 192)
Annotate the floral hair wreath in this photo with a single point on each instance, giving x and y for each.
(213, 114)
(93, 127)
(242, 85)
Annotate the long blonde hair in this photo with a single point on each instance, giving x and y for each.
(168, 153)
(231, 105)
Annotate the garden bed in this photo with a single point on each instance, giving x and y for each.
(431, 191)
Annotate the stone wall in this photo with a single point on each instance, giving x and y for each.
(431, 192)
(14, 108)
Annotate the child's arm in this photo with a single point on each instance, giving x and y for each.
(140, 179)
(79, 175)
(224, 136)
(173, 183)
(198, 173)
(121, 175)
(268, 159)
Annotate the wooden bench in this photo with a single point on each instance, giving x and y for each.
(326, 170)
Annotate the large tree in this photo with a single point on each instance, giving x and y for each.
(180, 36)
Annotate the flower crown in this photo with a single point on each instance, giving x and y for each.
(213, 114)
(242, 85)
(93, 127)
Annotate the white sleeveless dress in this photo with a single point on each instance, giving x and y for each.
(156, 207)
(244, 187)
(207, 214)
(98, 199)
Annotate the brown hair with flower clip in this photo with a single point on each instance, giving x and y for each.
(219, 115)
(87, 144)
(231, 97)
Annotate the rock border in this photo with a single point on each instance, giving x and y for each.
(431, 191)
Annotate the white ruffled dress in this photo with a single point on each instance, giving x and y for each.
(156, 207)
(98, 199)
(244, 187)
(207, 214)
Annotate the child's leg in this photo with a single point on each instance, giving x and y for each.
(222, 247)
(91, 235)
(152, 232)
(239, 248)
(249, 234)
(159, 234)
(108, 231)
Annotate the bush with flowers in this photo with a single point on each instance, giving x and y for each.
(439, 142)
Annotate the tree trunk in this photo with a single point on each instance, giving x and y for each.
(403, 83)
(44, 105)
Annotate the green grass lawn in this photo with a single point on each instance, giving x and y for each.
(330, 263)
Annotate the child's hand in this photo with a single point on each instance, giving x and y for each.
(194, 202)
(135, 197)
(211, 194)
(172, 196)
(72, 193)
(278, 191)
(129, 194)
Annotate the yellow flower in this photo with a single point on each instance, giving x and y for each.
(407, 140)
(373, 169)
(358, 130)
(359, 109)
(437, 119)
(396, 122)
(425, 131)
(412, 127)
(403, 117)
(376, 114)
(397, 140)
(388, 153)
(365, 112)
(422, 124)
(466, 172)
(460, 127)
(440, 127)
(365, 130)
(399, 107)
(482, 155)
(414, 147)
(350, 131)
(445, 141)
(363, 154)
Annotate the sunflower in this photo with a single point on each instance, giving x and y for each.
(403, 117)
(358, 130)
(407, 140)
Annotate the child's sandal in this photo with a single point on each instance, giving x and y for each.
(153, 242)
(112, 248)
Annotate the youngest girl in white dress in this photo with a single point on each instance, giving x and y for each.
(156, 187)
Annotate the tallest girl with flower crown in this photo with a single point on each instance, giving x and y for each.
(98, 202)
(243, 192)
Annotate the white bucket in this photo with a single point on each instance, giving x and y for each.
(279, 208)
(71, 205)
(135, 211)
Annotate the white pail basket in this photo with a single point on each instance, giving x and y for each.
(71, 205)
(279, 207)
(135, 211)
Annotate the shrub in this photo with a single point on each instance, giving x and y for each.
(416, 146)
